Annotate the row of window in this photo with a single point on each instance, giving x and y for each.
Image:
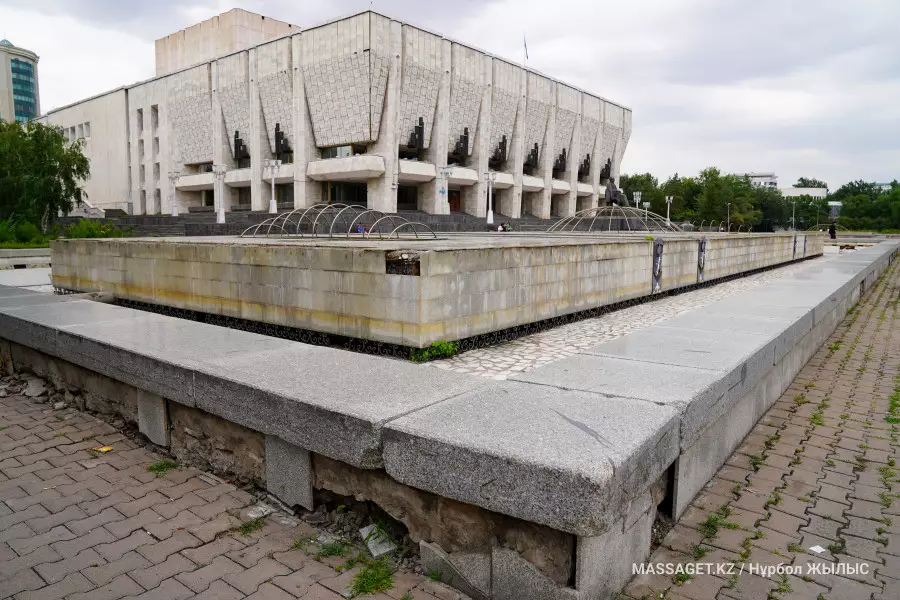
(82, 130)
(154, 118)
(20, 66)
(23, 99)
(22, 77)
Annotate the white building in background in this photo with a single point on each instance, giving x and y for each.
(814, 193)
(364, 110)
(769, 180)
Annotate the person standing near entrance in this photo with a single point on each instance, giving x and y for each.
(832, 231)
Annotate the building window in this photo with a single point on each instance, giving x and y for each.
(23, 89)
(343, 151)
(79, 130)
(154, 117)
(140, 120)
(87, 129)
(143, 200)
(155, 172)
(155, 147)
(141, 150)
(157, 201)
(143, 175)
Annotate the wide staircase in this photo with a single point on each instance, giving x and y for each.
(201, 221)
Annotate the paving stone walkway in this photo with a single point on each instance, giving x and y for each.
(534, 351)
(83, 525)
(812, 495)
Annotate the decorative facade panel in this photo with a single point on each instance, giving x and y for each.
(275, 93)
(190, 115)
(235, 101)
(422, 71)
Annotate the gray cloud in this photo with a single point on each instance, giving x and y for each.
(804, 88)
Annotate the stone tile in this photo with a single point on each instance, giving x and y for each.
(129, 562)
(158, 552)
(151, 576)
(170, 589)
(200, 579)
(117, 588)
(56, 571)
(248, 581)
(72, 584)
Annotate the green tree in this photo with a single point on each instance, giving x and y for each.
(808, 182)
(648, 186)
(855, 188)
(41, 172)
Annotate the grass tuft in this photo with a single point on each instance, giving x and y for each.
(161, 467)
(374, 577)
(248, 527)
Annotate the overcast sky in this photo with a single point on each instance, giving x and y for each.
(802, 88)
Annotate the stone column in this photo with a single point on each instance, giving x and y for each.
(476, 195)
(548, 155)
(568, 207)
(382, 192)
(516, 160)
(258, 143)
(220, 148)
(430, 198)
(307, 192)
(597, 198)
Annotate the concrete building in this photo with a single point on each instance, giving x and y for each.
(365, 109)
(814, 193)
(769, 180)
(224, 34)
(19, 93)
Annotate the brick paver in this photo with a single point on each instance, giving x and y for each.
(76, 525)
(818, 471)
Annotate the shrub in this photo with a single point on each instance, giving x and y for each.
(93, 228)
(436, 350)
(22, 234)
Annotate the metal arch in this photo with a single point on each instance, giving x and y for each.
(389, 217)
(412, 224)
(328, 208)
(318, 207)
(339, 213)
(283, 217)
(361, 215)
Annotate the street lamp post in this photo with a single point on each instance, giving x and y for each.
(646, 207)
(219, 192)
(173, 177)
(490, 176)
(668, 209)
(273, 164)
(728, 222)
(637, 199)
(793, 214)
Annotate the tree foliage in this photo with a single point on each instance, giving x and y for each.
(808, 182)
(41, 172)
(715, 198)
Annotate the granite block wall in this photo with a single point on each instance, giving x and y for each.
(347, 291)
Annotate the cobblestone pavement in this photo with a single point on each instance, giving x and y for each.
(534, 351)
(813, 487)
(81, 525)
